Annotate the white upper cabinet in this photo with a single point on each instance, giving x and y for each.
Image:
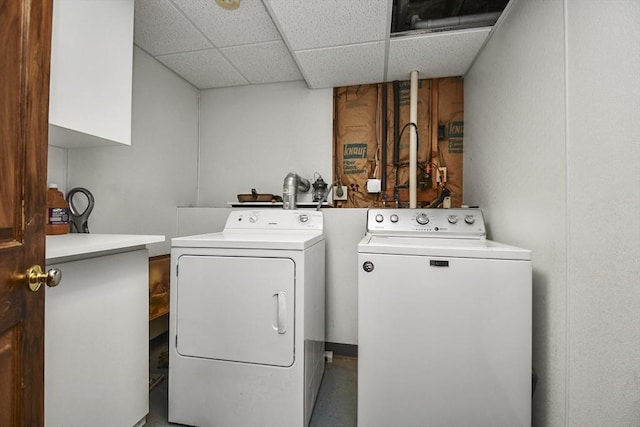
(91, 73)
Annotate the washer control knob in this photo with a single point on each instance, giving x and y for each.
(469, 219)
(379, 218)
(253, 218)
(422, 219)
(394, 218)
(453, 219)
(304, 218)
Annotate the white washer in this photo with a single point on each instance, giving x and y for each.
(444, 322)
(247, 331)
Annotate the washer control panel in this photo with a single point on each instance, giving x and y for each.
(275, 219)
(445, 223)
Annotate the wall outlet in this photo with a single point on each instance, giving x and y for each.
(340, 192)
(442, 175)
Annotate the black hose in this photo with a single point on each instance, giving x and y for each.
(439, 200)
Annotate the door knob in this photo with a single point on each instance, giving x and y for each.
(36, 277)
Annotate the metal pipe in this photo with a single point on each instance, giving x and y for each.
(413, 145)
(292, 184)
(455, 22)
(383, 178)
(396, 137)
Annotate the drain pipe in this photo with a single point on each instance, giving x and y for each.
(413, 145)
(396, 138)
(292, 183)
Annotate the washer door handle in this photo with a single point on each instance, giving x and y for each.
(281, 311)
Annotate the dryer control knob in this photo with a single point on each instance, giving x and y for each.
(253, 218)
(379, 218)
(452, 219)
(394, 218)
(422, 219)
(304, 218)
(469, 219)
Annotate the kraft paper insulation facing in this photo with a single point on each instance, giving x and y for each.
(358, 139)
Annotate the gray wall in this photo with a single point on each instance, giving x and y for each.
(603, 271)
(138, 187)
(253, 136)
(551, 107)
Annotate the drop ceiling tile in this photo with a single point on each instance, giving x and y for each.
(204, 69)
(343, 66)
(161, 29)
(264, 63)
(250, 23)
(310, 24)
(434, 55)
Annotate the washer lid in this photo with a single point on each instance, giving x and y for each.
(461, 248)
(251, 239)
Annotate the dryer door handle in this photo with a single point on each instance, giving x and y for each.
(281, 319)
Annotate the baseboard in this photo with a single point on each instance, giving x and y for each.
(339, 349)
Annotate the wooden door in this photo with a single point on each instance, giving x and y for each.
(25, 40)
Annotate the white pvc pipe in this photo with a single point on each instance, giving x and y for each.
(413, 144)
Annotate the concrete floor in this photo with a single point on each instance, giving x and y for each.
(335, 405)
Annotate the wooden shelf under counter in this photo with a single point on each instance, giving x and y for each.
(159, 278)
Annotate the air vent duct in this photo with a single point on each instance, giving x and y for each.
(455, 22)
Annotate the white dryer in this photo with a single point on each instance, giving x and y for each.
(247, 333)
(444, 322)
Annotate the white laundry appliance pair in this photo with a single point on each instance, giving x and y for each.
(444, 322)
(247, 330)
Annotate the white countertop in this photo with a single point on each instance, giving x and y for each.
(66, 247)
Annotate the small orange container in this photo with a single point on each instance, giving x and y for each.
(57, 211)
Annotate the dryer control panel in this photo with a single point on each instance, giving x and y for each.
(275, 219)
(444, 223)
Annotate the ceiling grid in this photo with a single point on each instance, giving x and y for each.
(327, 43)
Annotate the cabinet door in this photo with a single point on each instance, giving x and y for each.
(96, 342)
(236, 308)
(91, 72)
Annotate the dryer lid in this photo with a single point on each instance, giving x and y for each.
(262, 229)
(245, 239)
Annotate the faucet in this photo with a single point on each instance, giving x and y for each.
(292, 183)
